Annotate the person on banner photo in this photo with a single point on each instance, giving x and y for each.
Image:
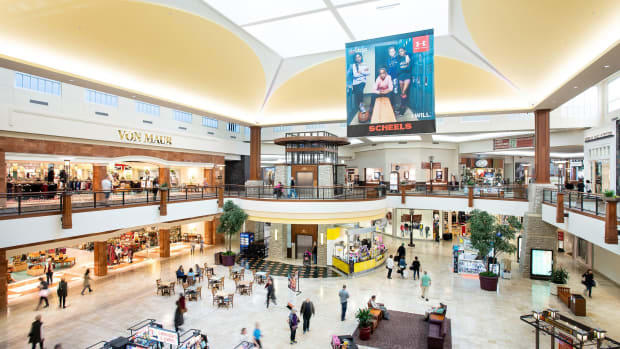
(404, 78)
(359, 72)
(393, 65)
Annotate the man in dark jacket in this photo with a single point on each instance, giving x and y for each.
(35, 333)
(415, 266)
(307, 311)
(401, 252)
(178, 317)
(62, 293)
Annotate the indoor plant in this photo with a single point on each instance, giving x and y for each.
(559, 276)
(491, 238)
(231, 223)
(364, 318)
(609, 194)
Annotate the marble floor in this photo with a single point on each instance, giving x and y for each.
(480, 319)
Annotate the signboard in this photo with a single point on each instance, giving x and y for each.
(599, 136)
(513, 143)
(143, 137)
(541, 264)
(390, 85)
(245, 240)
(164, 336)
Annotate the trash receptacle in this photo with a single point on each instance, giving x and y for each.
(218, 258)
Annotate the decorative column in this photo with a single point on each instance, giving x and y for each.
(220, 197)
(611, 221)
(101, 258)
(4, 285)
(67, 222)
(559, 209)
(2, 178)
(217, 238)
(100, 171)
(209, 231)
(164, 176)
(163, 201)
(541, 149)
(164, 243)
(255, 139)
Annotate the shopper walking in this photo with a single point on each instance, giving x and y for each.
(181, 303)
(314, 253)
(271, 292)
(193, 248)
(306, 311)
(36, 335)
(588, 282)
(43, 293)
(86, 282)
(344, 297)
(390, 266)
(62, 293)
(257, 336)
(401, 251)
(293, 321)
(425, 283)
(49, 271)
(415, 266)
(106, 187)
(178, 317)
(202, 246)
(402, 267)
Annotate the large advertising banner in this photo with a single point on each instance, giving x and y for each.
(390, 85)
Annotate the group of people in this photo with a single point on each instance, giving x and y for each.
(400, 259)
(191, 276)
(61, 290)
(278, 190)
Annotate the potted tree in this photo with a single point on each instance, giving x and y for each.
(491, 239)
(559, 276)
(231, 223)
(364, 319)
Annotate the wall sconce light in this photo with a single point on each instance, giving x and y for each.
(321, 238)
(600, 334)
(275, 234)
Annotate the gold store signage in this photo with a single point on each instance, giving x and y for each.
(143, 137)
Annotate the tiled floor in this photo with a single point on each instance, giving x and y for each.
(480, 319)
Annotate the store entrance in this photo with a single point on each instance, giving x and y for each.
(303, 235)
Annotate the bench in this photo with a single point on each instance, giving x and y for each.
(564, 295)
(437, 331)
(377, 315)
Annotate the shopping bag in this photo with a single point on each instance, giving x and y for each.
(405, 273)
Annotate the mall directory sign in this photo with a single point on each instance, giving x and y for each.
(390, 85)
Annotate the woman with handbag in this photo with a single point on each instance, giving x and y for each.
(43, 293)
(588, 282)
(293, 321)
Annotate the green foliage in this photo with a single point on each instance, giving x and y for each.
(364, 318)
(231, 222)
(559, 276)
(487, 234)
(489, 274)
(609, 193)
(471, 182)
(164, 185)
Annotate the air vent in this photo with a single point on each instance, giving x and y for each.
(182, 128)
(435, 142)
(101, 113)
(147, 122)
(211, 133)
(233, 137)
(402, 142)
(373, 145)
(34, 101)
(246, 142)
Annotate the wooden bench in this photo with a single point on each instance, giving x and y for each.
(377, 315)
(564, 295)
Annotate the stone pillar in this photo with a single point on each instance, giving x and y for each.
(2, 178)
(164, 176)
(101, 258)
(164, 243)
(4, 284)
(209, 232)
(100, 171)
(255, 139)
(277, 242)
(559, 212)
(163, 202)
(66, 220)
(537, 233)
(326, 179)
(321, 248)
(541, 150)
(611, 223)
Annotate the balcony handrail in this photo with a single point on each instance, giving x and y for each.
(577, 201)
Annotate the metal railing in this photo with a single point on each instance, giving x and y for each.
(577, 201)
(502, 192)
(26, 203)
(268, 192)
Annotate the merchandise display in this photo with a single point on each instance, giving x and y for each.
(359, 251)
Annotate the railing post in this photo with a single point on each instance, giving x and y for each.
(570, 196)
(402, 195)
(123, 195)
(163, 201)
(186, 195)
(94, 199)
(559, 212)
(19, 204)
(595, 206)
(611, 221)
(67, 222)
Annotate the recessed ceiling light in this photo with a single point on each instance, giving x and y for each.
(575, 86)
(71, 80)
(606, 66)
(133, 96)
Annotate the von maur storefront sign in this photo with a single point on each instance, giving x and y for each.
(143, 137)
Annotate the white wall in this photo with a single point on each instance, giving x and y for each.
(606, 263)
(21, 231)
(504, 207)
(70, 115)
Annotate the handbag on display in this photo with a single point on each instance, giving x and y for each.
(363, 116)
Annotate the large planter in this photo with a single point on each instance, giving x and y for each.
(365, 333)
(488, 283)
(228, 261)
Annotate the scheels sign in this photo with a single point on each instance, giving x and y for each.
(143, 137)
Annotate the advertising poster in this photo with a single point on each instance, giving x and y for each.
(390, 85)
(541, 263)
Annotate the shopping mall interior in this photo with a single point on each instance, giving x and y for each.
(319, 174)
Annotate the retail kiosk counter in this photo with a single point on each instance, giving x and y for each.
(358, 267)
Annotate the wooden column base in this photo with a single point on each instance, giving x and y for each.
(209, 231)
(217, 238)
(559, 212)
(163, 202)
(101, 258)
(67, 221)
(611, 221)
(470, 197)
(164, 243)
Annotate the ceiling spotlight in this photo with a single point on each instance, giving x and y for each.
(133, 96)
(575, 86)
(71, 80)
(606, 66)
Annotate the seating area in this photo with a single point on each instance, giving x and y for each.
(437, 329)
(575, 302)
